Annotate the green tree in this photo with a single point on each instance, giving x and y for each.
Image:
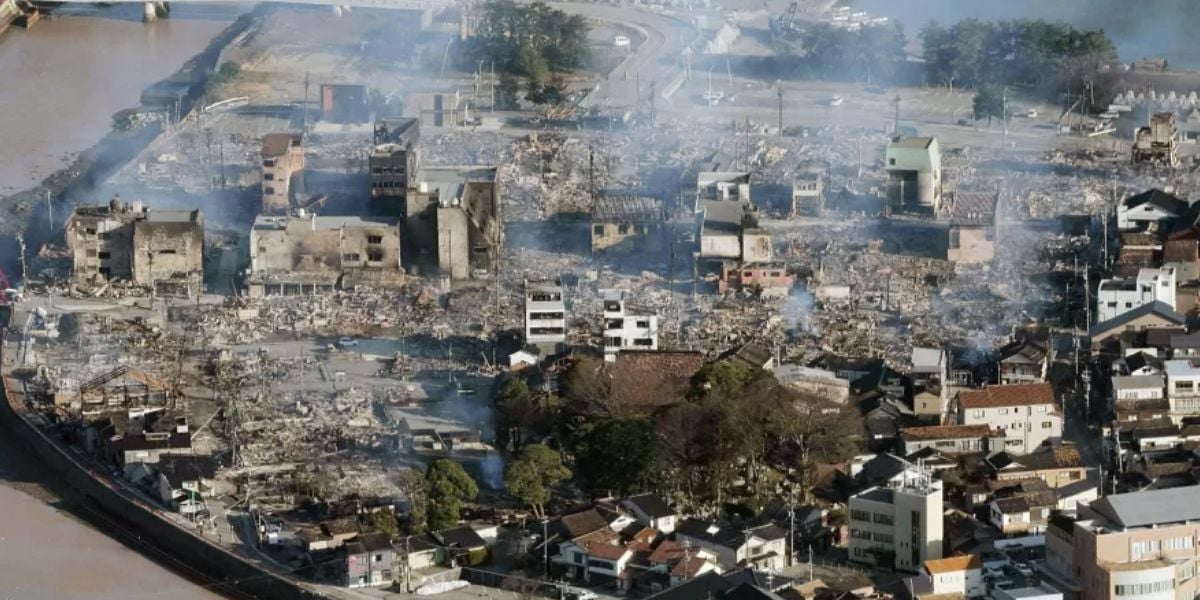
(506, 93)
(416, 490)
(449, 487)
(385, 522)
(987, 103)
(68, 327)
(616, 455)
(532, 476)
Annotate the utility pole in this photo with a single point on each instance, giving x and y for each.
(49, 211)
(653, 83)
(21, 249)
(791, 546)
(896, 117)
(493, 86)
(779, 95)
(304, 119)
(545, 550)
(1004, 110)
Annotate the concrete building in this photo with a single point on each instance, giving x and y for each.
(956, 575)
(545, 316)
(395, 161)
(898, 527)
(162, 249)
(768, 279)
(722, 186)
(306, 253)
(1133, 545)
(282, 160)
(730, 231)
(455, 216)
(972, 229)
(808, 191)
(625, 327)
(1027, 413)
(1115, 297)
(627, 224)
(951, 439)
(914, 168)
(1183, 388)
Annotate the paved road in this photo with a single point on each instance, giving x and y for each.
(659, 58)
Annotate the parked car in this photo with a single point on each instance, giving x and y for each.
(347, 342)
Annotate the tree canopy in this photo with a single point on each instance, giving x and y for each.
(531, 40)
(449, 486)
(870, 54)
(533, 475)
(988, 103)
(974, 53)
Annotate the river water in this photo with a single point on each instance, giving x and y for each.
(60, 83)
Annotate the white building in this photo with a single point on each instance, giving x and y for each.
(1148, 208)
(1026, 412)
(956, 575)
(1118, 296)
(1138, 387)
(626, 328)
(899, 527)
(545, 316)
(1183, 388)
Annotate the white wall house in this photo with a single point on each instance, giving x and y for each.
(1138, 387)
(957, 575)
(626, 328)
(1183, 388)
(1147, 208)
(1026, 412)
(1118, 296)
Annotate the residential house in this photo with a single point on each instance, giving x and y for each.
(956, 575)
(1024, 361)
(1153, 207)
(650, 510)
(1152, 316)
(1115, 297)
(929, 366)
(741, 584)
(1139, 396)
(971, 234)
(626, 327)
(951, 439)
(820, 382)
(1139, 363)
(184, 480)
(754, 355)
(1132, 545)
(460, 546)
(370, 561)
(1058, 466)
(764, 546)
(899, 527)
(1026, 412)
(1021, 506)
(1183, 388)
(884, 415)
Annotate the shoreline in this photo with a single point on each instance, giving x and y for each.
(72, 184)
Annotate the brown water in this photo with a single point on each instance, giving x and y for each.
(62, 80)
(60, 83)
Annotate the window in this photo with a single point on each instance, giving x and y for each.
(374, 239)
(643, 324)
(1143, 589)
(597, 230)
(1042, 409)
(375, 255)
(91, 254)
(351, 257)
(90, 231)
(884, 538)
(104, 256)
(860, 515)
(978, 414)
(883, 519)
(643, 342)
(377, 558)
(622, 229)
(268, 176)
(1047, 424)
(269, 162)
(891, 162)
(268, 190)
(167, 251)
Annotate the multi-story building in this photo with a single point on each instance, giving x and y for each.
(1136, 545)
(162, 249)
(1115, 297)
(627, 328)
(1026, 412)
(305, 253)
(1183, 388)
(898, 527)
(1024, 361)
(394, 162)
(764, 547)
(722, 186)
(282, 158)
(914, 168)
(545, 316)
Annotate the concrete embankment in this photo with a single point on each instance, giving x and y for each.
(228, 573)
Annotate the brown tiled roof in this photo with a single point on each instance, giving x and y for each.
(953, 564)
(1021, 394)
(945, 432)
(604, 551)
(667, 551)
(686, 569)
(582, 523)
(650, 379)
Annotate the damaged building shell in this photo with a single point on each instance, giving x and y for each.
(163, 249)
(914, 168)
(460, 207)
(972, 230)
(282, 159)
(627, 223)
(306, 253)
(395, 160)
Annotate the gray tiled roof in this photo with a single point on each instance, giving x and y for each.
(1140, 509)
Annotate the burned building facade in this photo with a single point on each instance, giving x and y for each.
(282, 159)
(305, 253)
(914, 169)
(972, 229)
(1158, 142)
(161, 249)
(627, 223)
(454, 216)
(394, 162)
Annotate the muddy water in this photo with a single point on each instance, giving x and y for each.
(60, 83)
(62, 80)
